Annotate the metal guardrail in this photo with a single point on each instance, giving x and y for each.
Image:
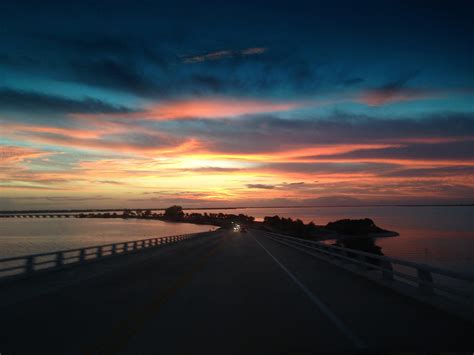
(425, 277)
(24, 266)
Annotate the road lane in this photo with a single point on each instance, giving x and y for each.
(358, 343)
(384, 319)
(83, 315)
(240, 302)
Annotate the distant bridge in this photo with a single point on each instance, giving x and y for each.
(229, 292)
(40, 215)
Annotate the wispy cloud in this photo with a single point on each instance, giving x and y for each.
(223, 54)
(385, 96)
(13, 154)
(204, 108)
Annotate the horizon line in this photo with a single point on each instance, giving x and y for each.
(237, 207)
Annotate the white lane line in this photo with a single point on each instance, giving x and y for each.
(322, 307)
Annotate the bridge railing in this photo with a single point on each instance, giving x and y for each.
(26, 265)
(429, 280)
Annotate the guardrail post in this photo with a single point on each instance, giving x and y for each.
(343, 253)
(362, 259)
(99, 252)
(135, 245)
(59, 259)
(387, 272)
(114, 249)
(82, 255)
(425, 276)
(30, 264)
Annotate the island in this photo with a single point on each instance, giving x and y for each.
(343, 229)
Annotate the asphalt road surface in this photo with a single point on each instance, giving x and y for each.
(224, 293)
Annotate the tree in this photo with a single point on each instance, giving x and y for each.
(174, 213)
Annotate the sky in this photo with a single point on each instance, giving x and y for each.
(142, 104)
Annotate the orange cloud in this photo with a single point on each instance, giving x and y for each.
(12, 154)
(73, 132)
(207, 108)
(214, 108)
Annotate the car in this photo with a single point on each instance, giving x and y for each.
(243, 230)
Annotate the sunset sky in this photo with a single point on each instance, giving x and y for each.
(220, 103)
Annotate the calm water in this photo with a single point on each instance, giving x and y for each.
(30, 235)
(442, 236)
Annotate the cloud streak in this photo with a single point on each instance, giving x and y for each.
(223, 54)
(12, 100)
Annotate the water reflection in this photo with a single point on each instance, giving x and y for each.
(365, 244)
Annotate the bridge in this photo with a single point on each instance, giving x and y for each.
(225, 292)
(39, 215)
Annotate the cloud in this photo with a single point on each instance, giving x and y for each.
(12, 100)
(353, 81)
(445, 171)
(260, 186)
(206, 108)
(215, 108)
(110, 182)
(117, 74)
(396, 91)
(336, 168)
(12, 154)
(265, 134)
(380, 97)
(454, 151)
(223, 54)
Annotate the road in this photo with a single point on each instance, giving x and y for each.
(225, 293)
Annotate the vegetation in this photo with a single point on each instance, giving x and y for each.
(340, 229)
(177, 214)
(174, 213)
(354, 226)
(291, 227)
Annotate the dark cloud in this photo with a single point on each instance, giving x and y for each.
(447, 171)
(115, 74)
(331, 168)
(260, 186)
(295, 185)
(270, 133)
(213, 169)
(110, 182)
(12, 100)
(463, 150)
(353, 81)
(20, 61)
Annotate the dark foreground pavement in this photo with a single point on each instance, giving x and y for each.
(225, 293)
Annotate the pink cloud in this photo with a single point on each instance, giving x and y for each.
(214, 108)
(207, 108)
(13, 154)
